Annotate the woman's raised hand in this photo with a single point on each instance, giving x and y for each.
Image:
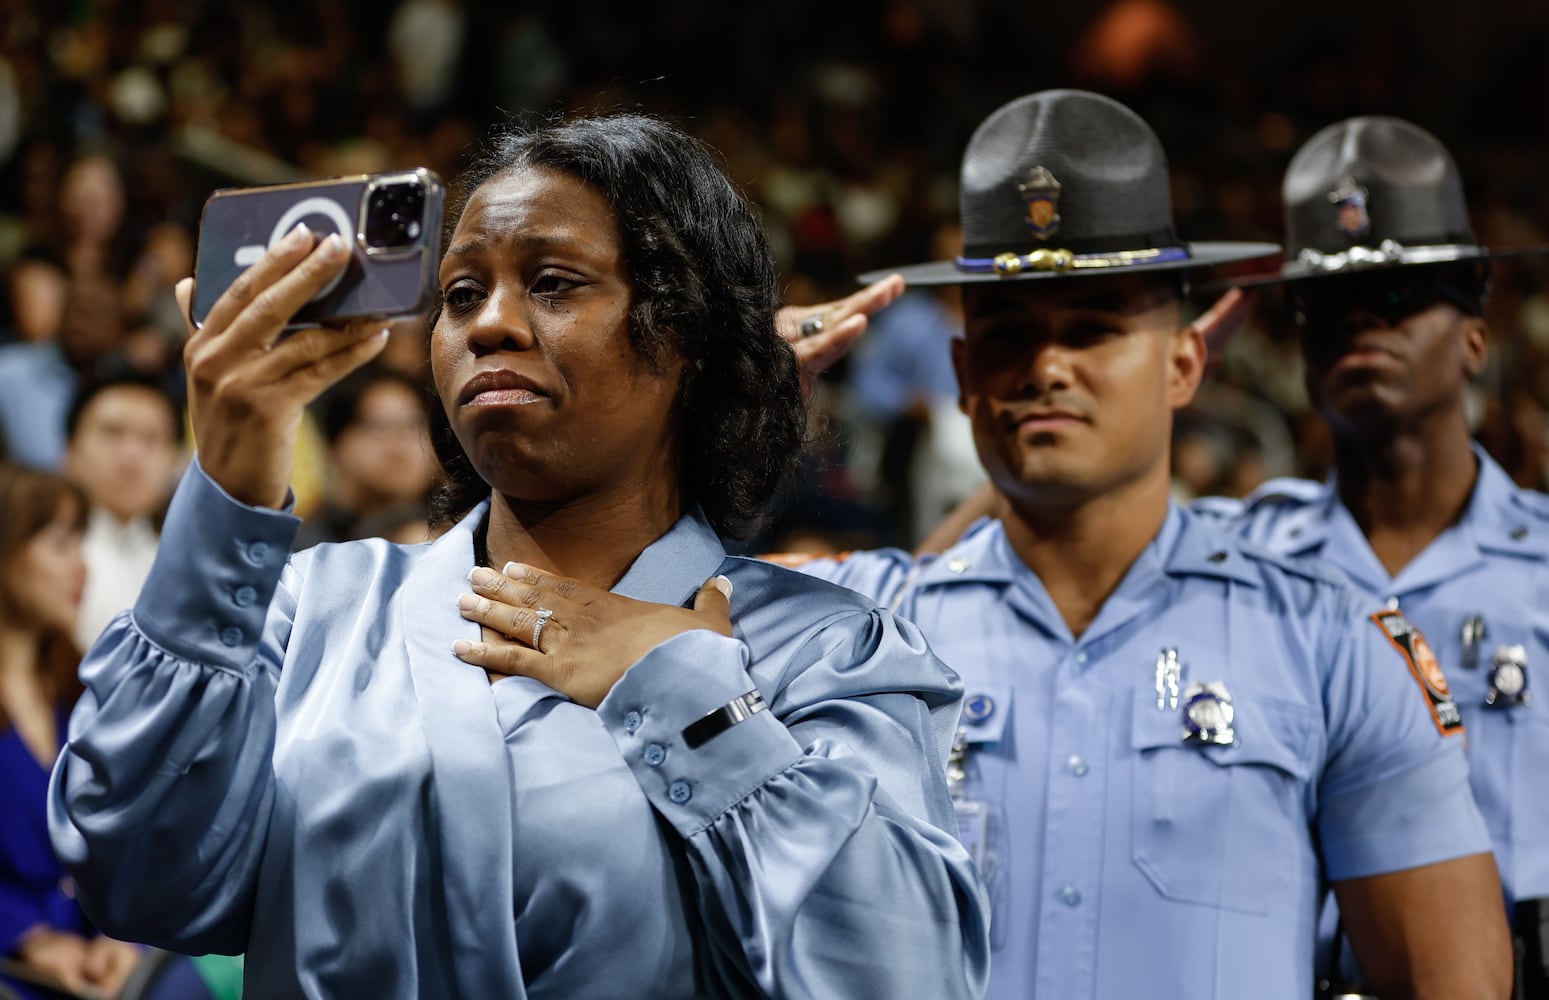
(248, 387)
(589, 636)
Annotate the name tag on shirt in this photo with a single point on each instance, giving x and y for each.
(973, 829)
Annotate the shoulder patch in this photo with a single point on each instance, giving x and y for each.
(1424, 667)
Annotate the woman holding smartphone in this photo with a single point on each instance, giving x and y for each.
(656, 786)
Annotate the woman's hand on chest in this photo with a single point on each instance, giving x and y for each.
(576, 638)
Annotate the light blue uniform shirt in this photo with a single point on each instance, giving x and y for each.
(285, 758)
(36, 387)
(1494, 564)
(1127, 862)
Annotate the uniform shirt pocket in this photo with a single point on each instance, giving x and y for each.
(1223, 826)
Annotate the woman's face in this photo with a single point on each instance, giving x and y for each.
(532, 356)
(46, 579)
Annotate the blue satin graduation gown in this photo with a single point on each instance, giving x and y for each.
(282, 756)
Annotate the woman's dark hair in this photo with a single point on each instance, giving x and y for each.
(704, 287)
(29, 502)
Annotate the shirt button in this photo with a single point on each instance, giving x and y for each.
(1081, 657)
(632, 722)
(244, 596)
(231, 635)
(1076, 765)
(679, 792)
(1069, 895)
(655, 753)
(258, 551)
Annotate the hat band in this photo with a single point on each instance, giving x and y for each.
(1007, 264)
(1386, 252)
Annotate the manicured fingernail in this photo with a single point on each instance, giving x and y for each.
(294, 238)
(467, 602)
(461, 647)
(511, 568)
(723, 584)
(481, 577)
(333, 245)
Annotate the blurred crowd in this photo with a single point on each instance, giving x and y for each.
(842, 122)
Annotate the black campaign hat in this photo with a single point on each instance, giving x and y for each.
(1374, 192)
(1064, 183)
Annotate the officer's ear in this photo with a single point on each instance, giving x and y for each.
(1476, 345)
(1187, 356)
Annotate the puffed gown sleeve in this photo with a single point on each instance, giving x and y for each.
(818, 831)
(159, 803)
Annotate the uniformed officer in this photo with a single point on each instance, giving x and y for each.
(1389, 285)
(1171, 738)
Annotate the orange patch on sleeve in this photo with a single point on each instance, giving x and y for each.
(1423, 667)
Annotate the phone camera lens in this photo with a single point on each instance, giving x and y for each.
(393, 216)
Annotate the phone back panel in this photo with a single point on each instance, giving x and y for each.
(238, 225)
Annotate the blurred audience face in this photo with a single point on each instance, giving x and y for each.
(91, 199)
(1196, 464)
(124, 451)
(38, 291)
(45, 577)
(91, 324)
(408, 348)
(384, 455)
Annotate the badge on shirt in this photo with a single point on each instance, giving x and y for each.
(1424, 667)
(1169, 672)
(1508, 678)
(973, 815)
(1474, 633)
(1208, 714)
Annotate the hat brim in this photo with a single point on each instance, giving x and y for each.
(1201, 255)
(1294, 271)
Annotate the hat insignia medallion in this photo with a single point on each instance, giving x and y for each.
(1041, 192)
(1350, 215)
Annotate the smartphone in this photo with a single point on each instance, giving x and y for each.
(392, 222)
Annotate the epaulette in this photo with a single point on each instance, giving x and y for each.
(1533, 502)
(1285, 490)
(1306, 567)
(1225, 508)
